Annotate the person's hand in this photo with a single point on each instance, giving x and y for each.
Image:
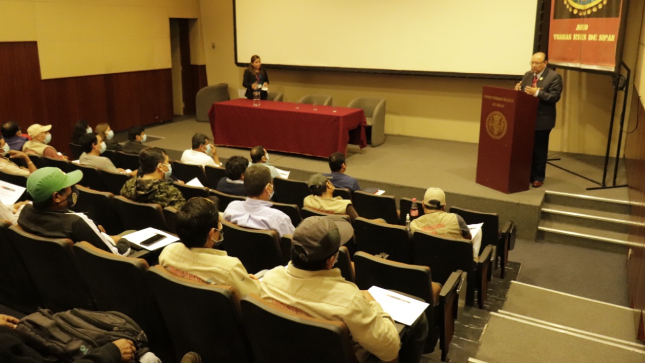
(254, 86)
(15, 154)
(101, 228)
(9, 321)
(121, 170)
(518, 86)
(266, 84)
(253, 277)
(213, 149)
(127, 349)
(367, 295)
(531, 90)
(65, 158)
(18, 205)
(180, 182)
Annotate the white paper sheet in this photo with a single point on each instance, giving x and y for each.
(283, 173)
(10, 193)
(142, 235)
(195, 183)
(476, 233)
(379, 192)
(403, 309)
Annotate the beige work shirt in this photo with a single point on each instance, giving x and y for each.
(336, 205)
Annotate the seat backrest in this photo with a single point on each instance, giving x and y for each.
(344, 193)
(63, 165)
(275, 96)
(99, 207)
(76, 149)
(280, 335)
(119, 283)
(307, 212)
(91, 178)
(17, 289)
(256, 249)
(376, 238)
(404, 206)
(345, 264)
(53, 268)
(188, 172)
(285, 248)
(113, 156)
(37, 160)
(200, 318)
(224, 199)
(291, 210)
(206, 97)
(213, 175)
(490, 229)
(324, 100)
(372, 206)
(189, 191)
(290, 191)
(128, 161)
(369, 105)
(135, 215)
(442, 255)
(114, 181)
(170, 215)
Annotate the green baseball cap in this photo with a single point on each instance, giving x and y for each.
(44, 182)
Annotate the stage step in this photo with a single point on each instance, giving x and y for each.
(586, 221)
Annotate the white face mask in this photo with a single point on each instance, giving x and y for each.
(6, 148)
(109, 135)
(209, 150)
(89, 130)
(48, 139)
(267, 155)
(144, 138)
(103, 147)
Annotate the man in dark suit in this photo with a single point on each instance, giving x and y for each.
(545, 84)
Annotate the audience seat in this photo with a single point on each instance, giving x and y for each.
(375, 115)
(113, 156)
(373, 206)
(119, 283)
(188, 172)
(445, 255)
(17, 289)
(137, 216)
(200, 318)
(279, 335)
(224, 199)
(275, 96)
(114, 181)
(213, 175)
(404, 206)
(92, 178)
(321, 100)
(170, 215)
(206, 97)
(344, 193)
(377, 238)
(291, 210)
(99, 207)
(76, 149)
(37, 160)
(307, 212)
(128, 161)
(256, 249)
(290, 191)
(189, 191)
(63, 165)
(451, 300)
(345, 265)
(53, 268)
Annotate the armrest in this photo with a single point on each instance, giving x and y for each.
(140, 254)
(485, 257)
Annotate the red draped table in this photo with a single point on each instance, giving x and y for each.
(279, 126)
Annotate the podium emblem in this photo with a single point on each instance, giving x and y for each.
(584, 7)
(496, 125)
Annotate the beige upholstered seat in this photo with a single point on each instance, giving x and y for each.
(207, 96)
(375, 114)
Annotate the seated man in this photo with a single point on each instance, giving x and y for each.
(40, 137)
(136, 137)
(93, 146)
(323, 200)
(310, 284)
(338, 166)
(260, 156)
(233, 183)
(54, 193)
(8, 166)
(203, 152)
(13, 136)
(154, 186)
(255, 211)
(199, 229)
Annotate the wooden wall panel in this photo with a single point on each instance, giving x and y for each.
(635, 163)
(123, 99)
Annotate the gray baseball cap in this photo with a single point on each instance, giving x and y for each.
(317, 238)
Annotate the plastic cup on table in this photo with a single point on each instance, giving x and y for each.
(333, 109)
(315, 104)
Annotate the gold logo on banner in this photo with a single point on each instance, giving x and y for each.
(496, 125)
(584, 7)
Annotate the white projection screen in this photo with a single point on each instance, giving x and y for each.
(486, 38)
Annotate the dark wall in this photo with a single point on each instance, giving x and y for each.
(121, 99)
(635, 161)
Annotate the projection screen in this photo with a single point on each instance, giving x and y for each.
(462, 38)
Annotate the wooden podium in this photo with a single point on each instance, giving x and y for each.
(506, 138)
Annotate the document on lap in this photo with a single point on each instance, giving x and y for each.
(195, 183)
(10, 193)
(476, 233)
(283, 173)
(403, 309)
(141, 236)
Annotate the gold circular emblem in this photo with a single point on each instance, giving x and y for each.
(496, 125)
(584, 7)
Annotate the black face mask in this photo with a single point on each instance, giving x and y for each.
(71, 198)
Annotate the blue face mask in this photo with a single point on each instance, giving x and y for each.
(169, 172)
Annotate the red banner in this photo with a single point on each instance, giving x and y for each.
(585, 33)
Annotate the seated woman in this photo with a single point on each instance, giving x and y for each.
(107, 135)
(80, 129)
(323, 200)
(255, 78)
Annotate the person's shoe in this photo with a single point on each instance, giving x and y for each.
(537, 184)
(191, 357)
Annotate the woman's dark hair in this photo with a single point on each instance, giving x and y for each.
(195, 220)
(100, 129)
(251, 68)
(79, 130)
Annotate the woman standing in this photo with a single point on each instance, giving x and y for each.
(255, 77)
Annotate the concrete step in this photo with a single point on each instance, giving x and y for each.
(586, 218)
(582, 236)
(614, 206)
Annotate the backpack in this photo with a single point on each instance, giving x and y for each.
(71, 334)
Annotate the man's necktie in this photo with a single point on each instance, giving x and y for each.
(535, 79)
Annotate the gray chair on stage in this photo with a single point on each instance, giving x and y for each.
(275, 96)
(375, 115)
(207, 96)
(324, 100)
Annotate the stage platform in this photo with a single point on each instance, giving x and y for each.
(406, 166)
